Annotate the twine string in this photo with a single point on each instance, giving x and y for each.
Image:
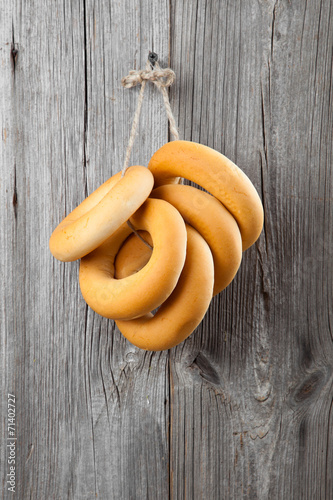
(161, 78)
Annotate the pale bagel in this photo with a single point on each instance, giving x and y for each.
(101, 214)
(138, 294)
(217, 175)
(182, 312)
(215, 224)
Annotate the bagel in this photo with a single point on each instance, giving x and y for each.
(182, 312)
(101, 214)
(215, 224)
(138, 294)
(217, 175)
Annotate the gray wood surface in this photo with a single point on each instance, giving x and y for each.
(243, 408)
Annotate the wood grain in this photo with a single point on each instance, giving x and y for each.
(243, 408)
(91, 408)
(252, 389)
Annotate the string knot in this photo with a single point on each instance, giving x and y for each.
(160, 77)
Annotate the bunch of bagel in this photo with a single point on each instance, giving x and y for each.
(190, 247)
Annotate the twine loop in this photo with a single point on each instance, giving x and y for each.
(162, 78)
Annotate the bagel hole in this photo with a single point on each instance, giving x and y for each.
(201, 205)
(155, 310)
(198, 200)
(186, 182)
(133, 255)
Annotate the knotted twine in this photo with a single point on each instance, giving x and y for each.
(161, 78)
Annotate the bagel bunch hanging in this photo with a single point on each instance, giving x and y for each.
(186, 247)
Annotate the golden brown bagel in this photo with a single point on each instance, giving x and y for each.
(101, 214)
(182, 312)
(216, 174)
(215, 224)
(138, 294)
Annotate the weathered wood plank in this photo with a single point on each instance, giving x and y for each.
(131, 458)
(252, 388)
(91, 409)
(8, 235)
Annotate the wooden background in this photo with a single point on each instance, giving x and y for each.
(243, 408)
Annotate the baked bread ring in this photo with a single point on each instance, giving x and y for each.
(215, 224)
(217, 175)
(138, 294)
(101, 214)
(182, 312)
